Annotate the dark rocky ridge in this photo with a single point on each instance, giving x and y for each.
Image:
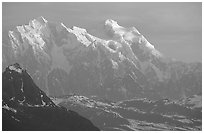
(26, 107)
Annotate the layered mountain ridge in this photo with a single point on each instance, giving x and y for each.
(136, 114)
(70, 60)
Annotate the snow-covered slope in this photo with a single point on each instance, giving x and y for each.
(130, 36)
(65, 60)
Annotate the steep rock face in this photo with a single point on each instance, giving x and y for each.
(26, 107)
(65, 60)
(19, 87)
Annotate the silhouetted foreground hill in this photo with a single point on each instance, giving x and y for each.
(26, 107)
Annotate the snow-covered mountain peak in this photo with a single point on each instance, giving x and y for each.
(79, 30)
(80, 34)
(117, 54)
(38, 23)
(130, 36)
(33, 32)
(112, 23)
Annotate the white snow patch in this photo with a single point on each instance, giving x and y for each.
(19, 70)
(12, 99)
(8, 108)
(13, 40)
(114, 64)
(112, 23)
(43, 103)
(21, 85)
(80, 34)
(11, 78)
(44, 19)
(15, 118)
(68, 29)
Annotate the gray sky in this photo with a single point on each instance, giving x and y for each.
(175, 29)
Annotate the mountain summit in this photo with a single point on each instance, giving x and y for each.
(65, 60)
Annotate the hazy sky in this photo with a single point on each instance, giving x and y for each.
(175, 29)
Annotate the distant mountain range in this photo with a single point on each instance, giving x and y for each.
(63, 61)
(118, 82)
